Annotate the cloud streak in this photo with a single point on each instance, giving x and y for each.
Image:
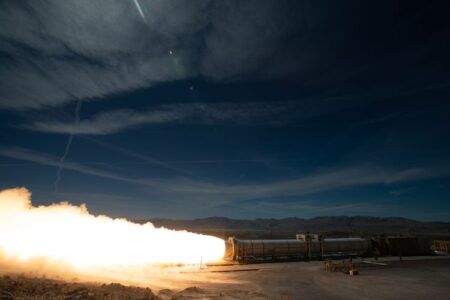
(224, 113)
(138, 7)
(324, 180)
(47, 160)
(212, 194)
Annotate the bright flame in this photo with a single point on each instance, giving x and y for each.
(67, 233)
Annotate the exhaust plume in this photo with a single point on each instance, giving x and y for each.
(64, 234)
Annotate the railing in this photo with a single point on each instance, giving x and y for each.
(441, 246)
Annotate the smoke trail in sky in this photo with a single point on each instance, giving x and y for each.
(67, 149)
(136, 2)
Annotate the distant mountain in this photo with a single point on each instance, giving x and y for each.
(288, 227)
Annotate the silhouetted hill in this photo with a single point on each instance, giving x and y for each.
(288, 227)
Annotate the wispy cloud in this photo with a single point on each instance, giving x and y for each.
(273, 209)
(45, 64)
(324, 180)
(142, 158)
(107, 122)
(114, 51)
(47, 160)
(119, 205)
(402, 191)
(209, 193)
(242, 113)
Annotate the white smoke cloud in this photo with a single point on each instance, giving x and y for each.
(71, 235)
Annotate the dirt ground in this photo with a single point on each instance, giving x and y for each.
(413, 278)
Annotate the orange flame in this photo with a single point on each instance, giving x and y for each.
(67, 233)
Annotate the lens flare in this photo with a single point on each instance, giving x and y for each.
(70, 234)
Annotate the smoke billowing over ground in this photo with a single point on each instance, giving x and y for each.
(66, 240)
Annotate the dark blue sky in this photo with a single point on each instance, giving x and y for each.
(243, 109)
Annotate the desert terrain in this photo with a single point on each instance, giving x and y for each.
(410, 278)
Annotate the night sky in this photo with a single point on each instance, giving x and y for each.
(242, 109)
